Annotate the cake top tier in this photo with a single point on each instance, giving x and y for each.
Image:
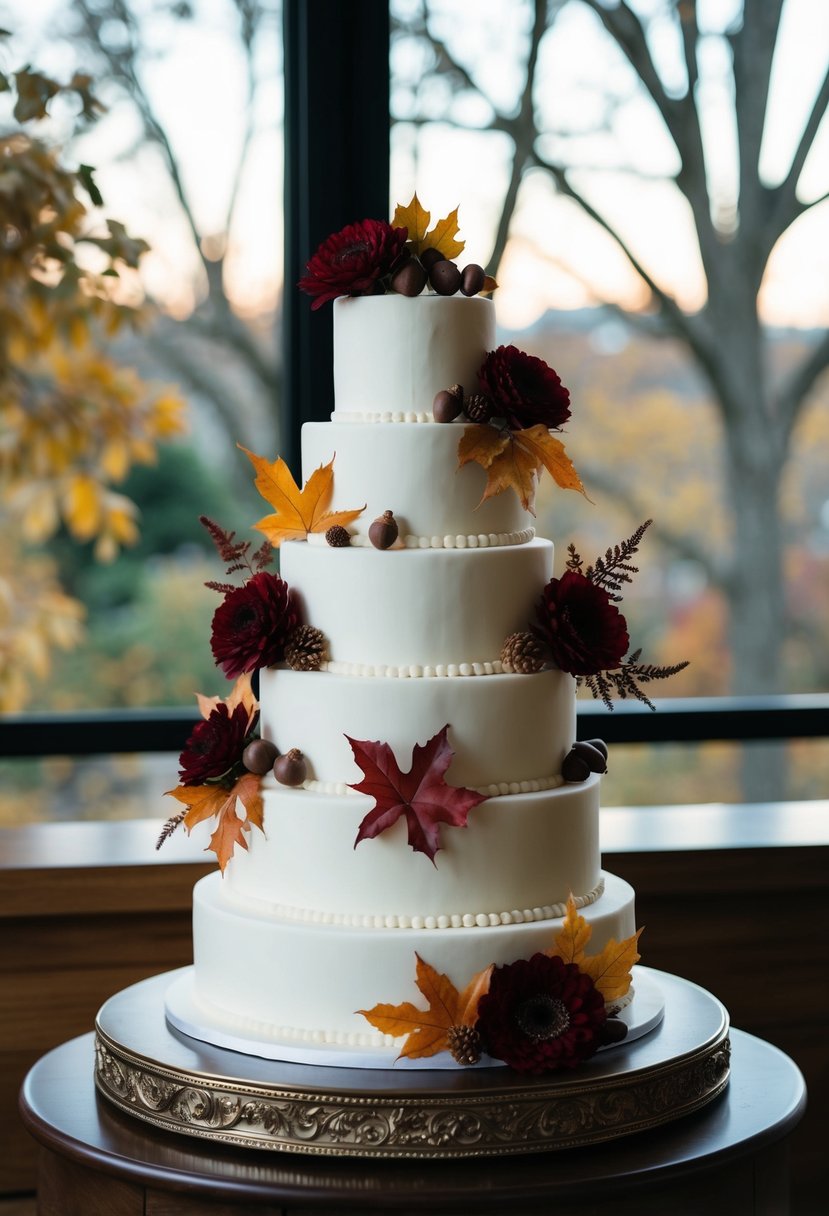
(393, 353)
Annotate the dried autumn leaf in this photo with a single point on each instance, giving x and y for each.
(421, 795)
(415, 219)
(206, 801)
(427, 1030)
(298, 512)
(515, 458)
(240, 694)
(574, 935)
(550, 454)
(610, 970)
(443, 237)
(488, 287)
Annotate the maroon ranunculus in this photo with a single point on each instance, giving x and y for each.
(541, 1014)
(216, 744)
(583, 629)
(252, 623)
(523, 389)
(351, 262)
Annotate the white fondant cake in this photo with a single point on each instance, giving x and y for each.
(305, 928)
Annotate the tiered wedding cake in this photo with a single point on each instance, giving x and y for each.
(358, 893)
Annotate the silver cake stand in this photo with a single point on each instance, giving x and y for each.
(156, 1073)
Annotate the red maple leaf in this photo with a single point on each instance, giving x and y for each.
(421, 795)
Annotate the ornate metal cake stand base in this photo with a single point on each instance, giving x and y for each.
(165, 1078)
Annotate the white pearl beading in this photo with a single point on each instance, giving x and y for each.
(472, 540)
(413, 671)
(494, 790)
(383, 416)
(379, 920)
(270, 1032)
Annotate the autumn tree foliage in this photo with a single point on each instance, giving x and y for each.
(72, 421)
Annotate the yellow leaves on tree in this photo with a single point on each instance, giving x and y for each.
(298, 512)
(515, 458)
(610, 969)
(73, 421)
(427, 1030)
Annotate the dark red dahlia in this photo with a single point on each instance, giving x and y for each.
(524, 389)
(351, 262)
(583, 629)
(216, 744)
(252, 624)
(541, 1014)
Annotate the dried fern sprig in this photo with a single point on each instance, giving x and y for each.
(169, 827)
(615, 568)
(236, 553)
(625, 680)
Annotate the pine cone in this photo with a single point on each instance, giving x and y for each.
(464, 1044)
(523, 653)
(305, 648)
(338, 537)
(478, 408)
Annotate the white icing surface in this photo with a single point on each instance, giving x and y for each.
(413, 472)
(402, 608)
(518, 855)
(513, 728)
(392, 353)
(281, 973)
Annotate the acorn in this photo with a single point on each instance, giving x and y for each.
(473, 278)
(259, 755)
(410, 279)
(574, 767)
(613, 1031)
(599, 745)
(338, 537)
(445, 278)
(447, 404)
(290, 769)
(592, 756)
(430, 257)
(383, 532)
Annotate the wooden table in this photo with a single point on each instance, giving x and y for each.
(730, 1157)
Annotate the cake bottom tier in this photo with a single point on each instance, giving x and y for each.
(305, 983)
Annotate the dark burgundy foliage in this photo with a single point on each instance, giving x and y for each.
(352, 262)
(524, 390)
(541, 1014)
(252, 623)
(582, 628)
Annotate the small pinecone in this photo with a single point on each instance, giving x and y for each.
(338, 537)
(523, 653)
(305, 648)
(464, 1044)
(478, 408)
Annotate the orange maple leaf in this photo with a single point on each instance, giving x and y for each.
(515, 458)
(240, 694)
(610, 970)
(206, 801)
(298, 512)
(442, 237)
(574, 935)
(427, 1030)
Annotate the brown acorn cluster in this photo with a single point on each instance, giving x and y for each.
(585, 757)
(449, 403)
(261, 755)
(442, 275)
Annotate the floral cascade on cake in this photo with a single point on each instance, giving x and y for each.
(404, 813)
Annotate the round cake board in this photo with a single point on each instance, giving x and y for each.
(153, 1072)
(188, 1015)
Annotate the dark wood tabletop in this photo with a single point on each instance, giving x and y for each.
(730, 1156)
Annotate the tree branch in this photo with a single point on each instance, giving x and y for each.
(791, 396)
(786, 208)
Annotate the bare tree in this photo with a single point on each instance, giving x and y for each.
(726, 338)
(214, 352)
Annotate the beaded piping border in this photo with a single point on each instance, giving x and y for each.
(414, 671)
(496, 789)
(457, 920)
(383, 416)
(470, 540)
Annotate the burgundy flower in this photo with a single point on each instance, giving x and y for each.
(582, 627)
(251, 625)
(524, 389)
(351, 262)
(541, 1014)
(216, 744)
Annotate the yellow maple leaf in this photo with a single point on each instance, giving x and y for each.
(427, 1030)
(298, 512)
(506, 462)
(413, 218)
(610, 970)
(443, 237)
(574, 935)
